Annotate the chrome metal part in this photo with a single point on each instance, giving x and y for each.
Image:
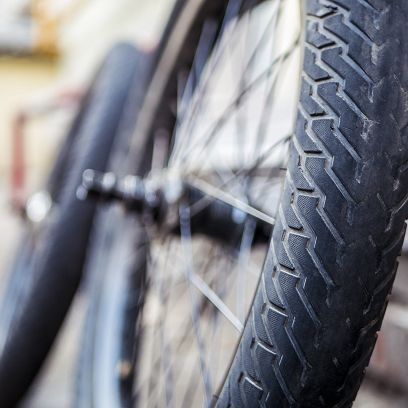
(213, 212)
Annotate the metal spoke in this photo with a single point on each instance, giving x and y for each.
(153, 383)
(208, 74)
(261, 131)
(214, 345)
(205, 43)
(209, 137)
(241, 122)
(213, 298)
(165, 345)
(201, 285)
(214, 193)
(186, 245)
(169, 361)
(233, 7)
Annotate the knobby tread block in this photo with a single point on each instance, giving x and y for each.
(332, 259)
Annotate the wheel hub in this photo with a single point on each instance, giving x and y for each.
(213, 212)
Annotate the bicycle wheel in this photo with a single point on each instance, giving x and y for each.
(215, 313)
(49, 262)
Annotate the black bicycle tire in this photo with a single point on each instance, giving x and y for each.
(61, 260)
(341, 223)
(110, 227)
(333, 257)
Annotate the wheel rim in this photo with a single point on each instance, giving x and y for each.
(200, 292)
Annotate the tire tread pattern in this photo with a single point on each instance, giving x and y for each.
(341, 222)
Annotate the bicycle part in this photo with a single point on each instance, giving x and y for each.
(49, 262)
(330, 266)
